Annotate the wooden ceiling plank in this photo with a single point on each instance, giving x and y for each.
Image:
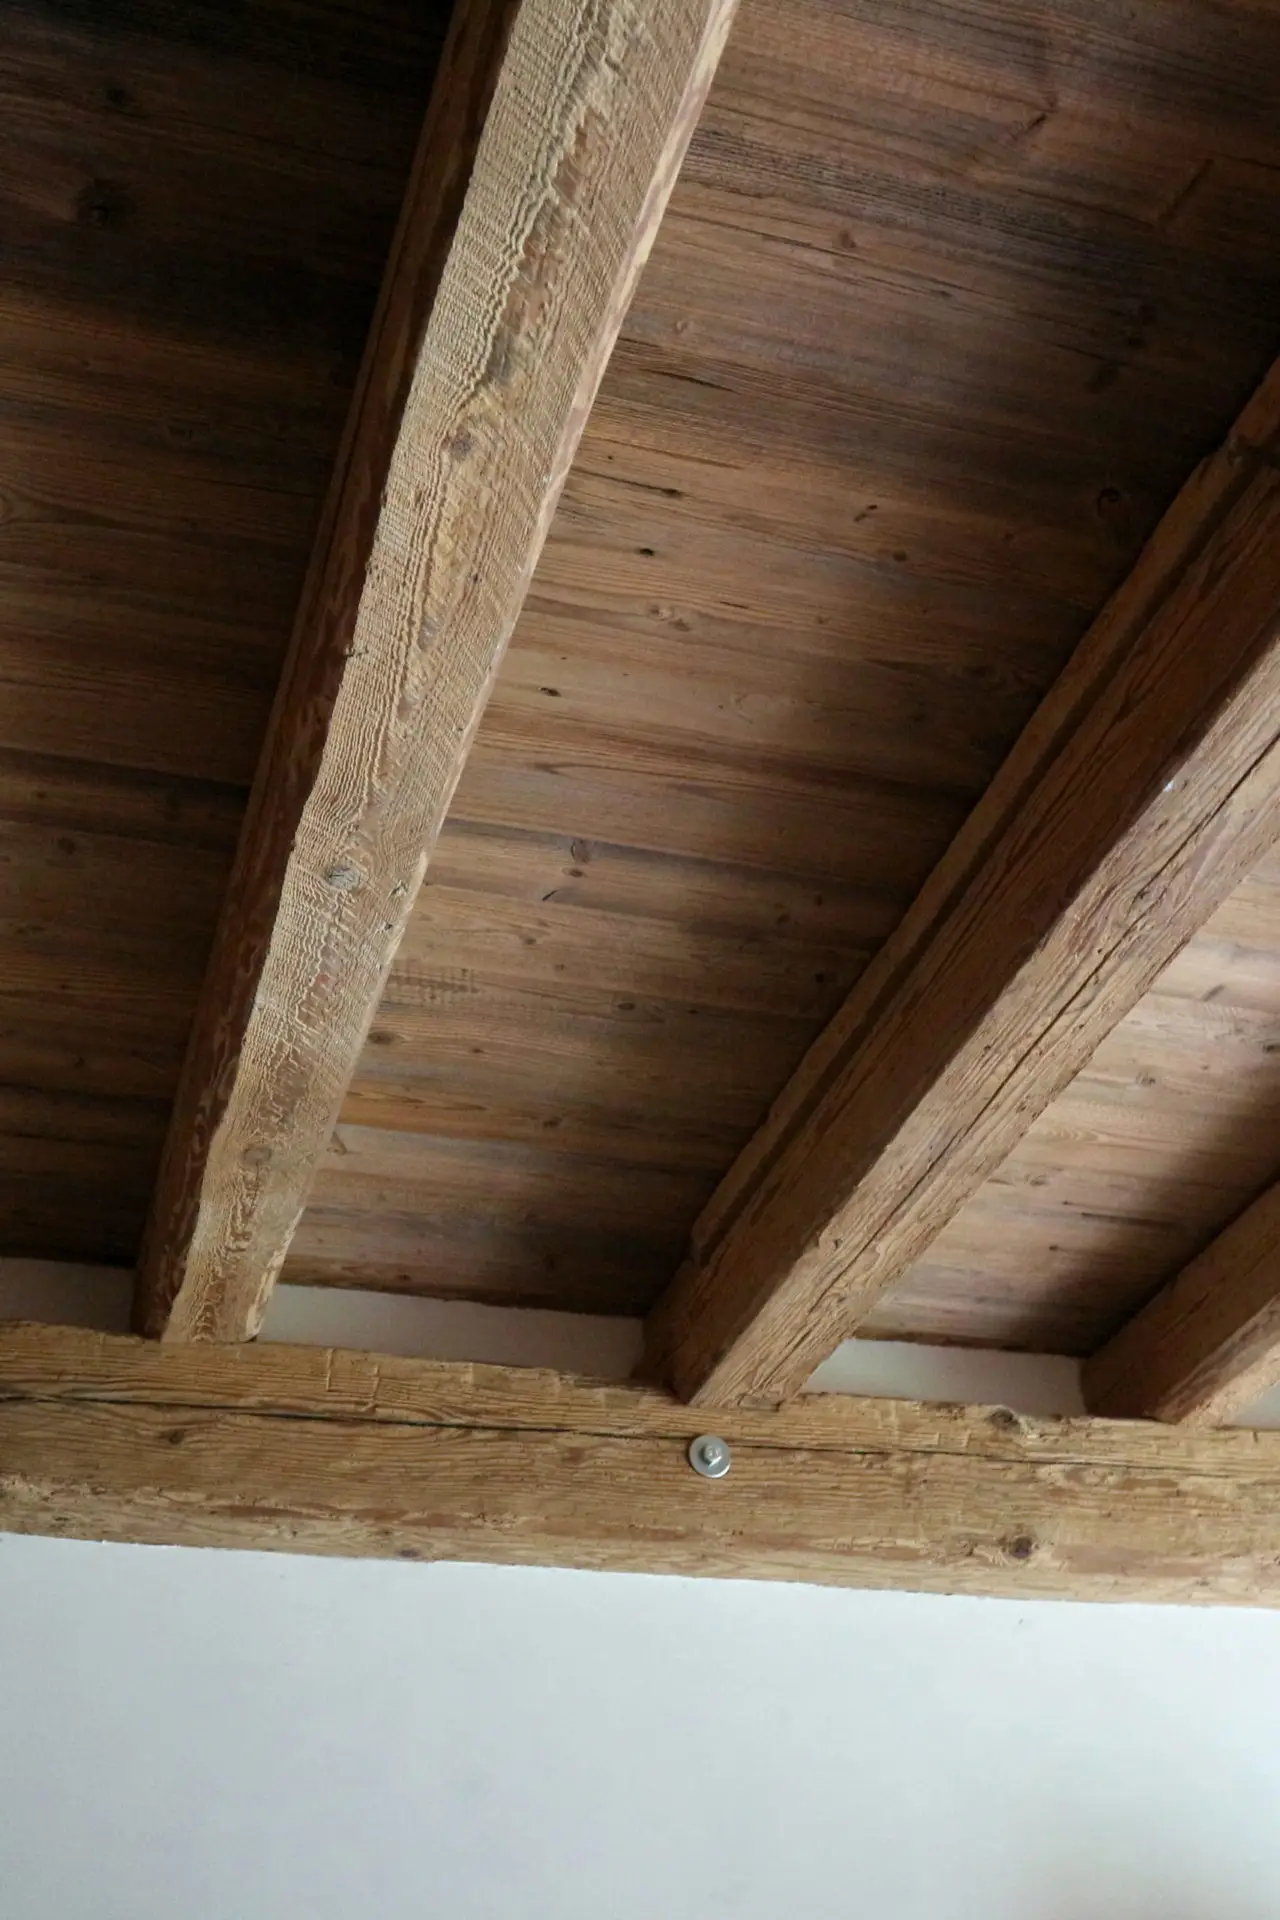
(1208, 1345)
(554, 137)
(309, 1450)
(1144, 789)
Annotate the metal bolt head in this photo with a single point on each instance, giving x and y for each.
(710, 1456)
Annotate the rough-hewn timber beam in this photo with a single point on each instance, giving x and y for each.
(1208, 1344)
(1145, 787)
(554, 137)
(306, 1451)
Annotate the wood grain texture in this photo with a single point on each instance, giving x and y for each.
(1146, 787)
(947, 304)
(1153, 1149)
(1011, 272)
(540, 1222)
(192, 225)
(1208, 1344)
(314, 1451)
(553, 140)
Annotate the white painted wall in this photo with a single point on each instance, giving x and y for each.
(192, 1736)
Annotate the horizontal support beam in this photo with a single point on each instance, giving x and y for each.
(311, 1451)
(555, 134)
(1208, 1345)
(1145, 787)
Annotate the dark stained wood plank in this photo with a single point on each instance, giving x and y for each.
(63, 1044)
(655, 1054)
(744, 717)
(538, 1223)
(54, 701)
(701, 897)
(75, 1171)
(483, 1102)
(464, 936)
(113, 1439)
(227, 413)
(625, 1082)
(792, 326)
(376, 1168)
(717, 808)
(193, 225)
(1145, 788)
(282, 120)
(553, 1266)
(92, 1020)
(59, 793)
(515, 260)
(293, 96)
(276, 45)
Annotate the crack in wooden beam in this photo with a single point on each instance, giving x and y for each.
(299, 1450)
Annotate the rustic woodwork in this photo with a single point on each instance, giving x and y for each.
(1208, 1344)
(946, 306)
(317, 1451)
(1162, 1140)
(1146, 786)
(548, 154)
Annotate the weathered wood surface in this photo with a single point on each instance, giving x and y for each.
(1160, 1142)
(948, 303)
(1208, 1344)
(381, 1209)
(1145, 788)
(1012, 272)
(315, 1451)
(555, 134)
(195, 209)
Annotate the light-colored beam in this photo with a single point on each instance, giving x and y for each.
(308, 1451)
(1145, 787)
(1208, 1344)
(555, 134)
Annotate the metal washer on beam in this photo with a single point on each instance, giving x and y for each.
(710, 1456)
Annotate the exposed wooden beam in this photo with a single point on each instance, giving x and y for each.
(308, 1451)
(1145, 787)
(555, 134)
(1208, 1344)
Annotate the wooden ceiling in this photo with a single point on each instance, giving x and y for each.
(196, 203)
(948, 303)
(1166, 1136)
